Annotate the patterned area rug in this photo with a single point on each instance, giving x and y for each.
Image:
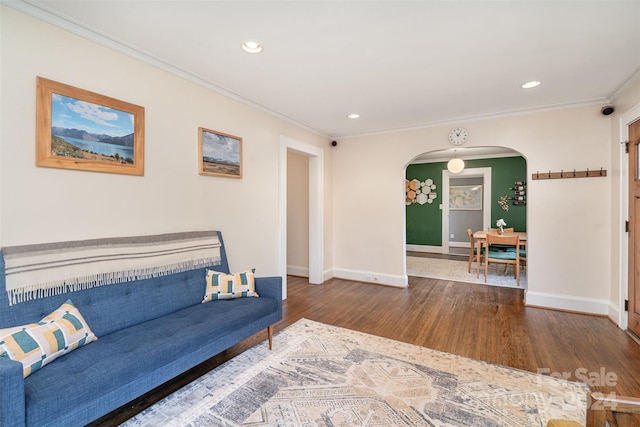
(321, 375)
(458, 271)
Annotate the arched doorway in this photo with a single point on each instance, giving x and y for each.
(436, 227)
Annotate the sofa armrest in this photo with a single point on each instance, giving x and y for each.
(270, 287)
(12, 402)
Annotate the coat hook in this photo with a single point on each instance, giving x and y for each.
(549, 173)
(561, 173)
(600, 171)
(587, 171)
(537, 174)
(574, 173)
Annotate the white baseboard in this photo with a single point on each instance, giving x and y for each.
(569, 303)
(435, 249)
(424, 248)
(459, 245)
(371, 277)
(360, 276)
(614, 314)
(298, 271)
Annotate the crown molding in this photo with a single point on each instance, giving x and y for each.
(482, 117)
(43, 13)
(48, 15)
(625, 85)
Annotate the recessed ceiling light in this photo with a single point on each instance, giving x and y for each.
(531, 84)
(251, 47)
(353, 116)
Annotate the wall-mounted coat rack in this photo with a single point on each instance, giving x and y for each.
(569, 174)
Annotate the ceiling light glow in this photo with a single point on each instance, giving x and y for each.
(455, 165)
(531, 84)
(251, 47)
(353, 116)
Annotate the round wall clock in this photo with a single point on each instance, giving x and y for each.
(458, 136)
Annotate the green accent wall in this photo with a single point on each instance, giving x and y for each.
(424, 222)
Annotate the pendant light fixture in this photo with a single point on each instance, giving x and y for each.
(455, 165)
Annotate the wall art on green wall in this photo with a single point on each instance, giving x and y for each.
(419, 192)
(424, 222)
(465, 197)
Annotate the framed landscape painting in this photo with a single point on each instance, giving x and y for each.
(78, 129)
(465, 197)
(219, 154)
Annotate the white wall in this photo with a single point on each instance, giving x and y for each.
(568, 220)
(44, 205)
(297, 214)
(573, 224)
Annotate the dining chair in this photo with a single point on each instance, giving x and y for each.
(473, 252)
(506, 230)
(523, 256)
(497, 254)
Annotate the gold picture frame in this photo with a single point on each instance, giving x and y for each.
(83, 130)
(219, 154)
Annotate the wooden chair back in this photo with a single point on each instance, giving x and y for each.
(472, 250)
(506, 230)
(506, 256)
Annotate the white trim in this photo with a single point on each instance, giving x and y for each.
(298, 271)
(625, 85)
(485, 173)
(78, 28)
(460, 244)
(623, 262)
(446, 156)
(316, 208)
(567, 302)
(371, 277)
(424, 248)
(482, 117)
(614, 314)
(46, 14)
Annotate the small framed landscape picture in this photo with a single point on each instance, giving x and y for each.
(78, 129)
(219, 154)
(465, 197)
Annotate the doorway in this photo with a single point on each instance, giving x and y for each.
(484, 175)
(633, 291)
(316, 208)
(625, 265)
(428, 224)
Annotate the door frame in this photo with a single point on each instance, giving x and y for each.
(623, 293)
(316, 208)
(485, 173)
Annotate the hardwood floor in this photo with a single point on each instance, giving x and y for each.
(482, 322)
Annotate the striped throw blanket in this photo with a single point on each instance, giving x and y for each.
(36, 271)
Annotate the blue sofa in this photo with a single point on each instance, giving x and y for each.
(149, 331)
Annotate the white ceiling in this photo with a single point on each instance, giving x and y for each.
(399, 64)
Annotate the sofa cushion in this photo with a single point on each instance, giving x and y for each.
(134, 353)
(38, 344)
(227, 286)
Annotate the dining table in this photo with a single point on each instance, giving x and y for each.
(480, 238)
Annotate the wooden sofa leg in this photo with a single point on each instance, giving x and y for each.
(270, 334)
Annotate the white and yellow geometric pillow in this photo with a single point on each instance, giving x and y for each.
(37, 344)
(228, 286)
